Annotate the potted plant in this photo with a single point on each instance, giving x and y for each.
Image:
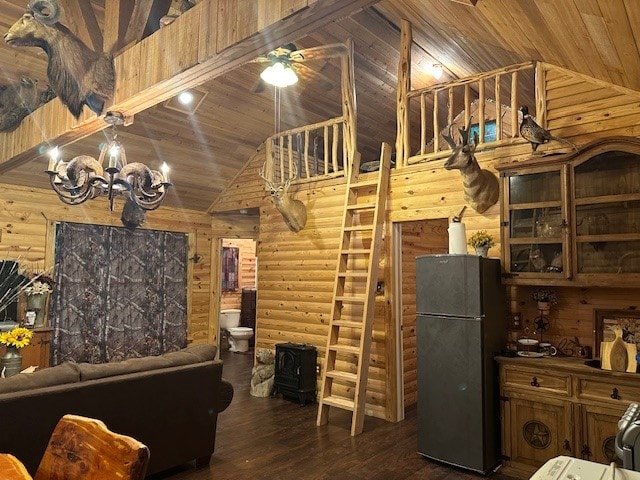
(37, 292)
(481, 241)
(545, 297)
(14, 339)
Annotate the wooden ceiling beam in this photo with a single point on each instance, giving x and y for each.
(145, 19)
(81, 19)
(179, 56)
(117, 16)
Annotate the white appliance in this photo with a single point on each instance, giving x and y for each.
(569, 468)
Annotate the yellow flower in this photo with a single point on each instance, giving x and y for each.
(18, 337)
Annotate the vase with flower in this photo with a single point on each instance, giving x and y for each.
(14, 340)
(37, 293)
(545, 298)
(482, 242)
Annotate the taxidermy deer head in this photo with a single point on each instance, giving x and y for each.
(481, 188)
(293, 211)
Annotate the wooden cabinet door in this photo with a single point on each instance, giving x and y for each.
(540, 430)
(599, 429)
(37, 352)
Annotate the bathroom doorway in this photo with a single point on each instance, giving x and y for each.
(238, 273)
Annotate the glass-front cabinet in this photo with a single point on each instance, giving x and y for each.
(535, 223)
(574, 219)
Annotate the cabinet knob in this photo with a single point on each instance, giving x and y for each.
(585, 451)
(566, 445)
(564, 223)
(534, 382)
(615, 395)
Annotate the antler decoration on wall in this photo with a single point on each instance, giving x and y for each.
(293, 211)
(481, 187)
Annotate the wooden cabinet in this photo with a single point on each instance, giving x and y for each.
(560, 406)
(38, 351)
(574, 219)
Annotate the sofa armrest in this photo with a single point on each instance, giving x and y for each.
(226, 395)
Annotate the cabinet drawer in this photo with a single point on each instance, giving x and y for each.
(610, 391)
(539, 381)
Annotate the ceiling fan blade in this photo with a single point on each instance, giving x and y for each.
(322, 51)
(261, 59)
(308, 74)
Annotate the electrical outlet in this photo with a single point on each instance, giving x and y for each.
(515, 322)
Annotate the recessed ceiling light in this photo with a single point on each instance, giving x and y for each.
(185, 98)
(187, 101)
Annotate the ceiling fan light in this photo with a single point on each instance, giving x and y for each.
(279, 74)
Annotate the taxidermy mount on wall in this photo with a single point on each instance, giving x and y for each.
(481, 187)
(77, 75)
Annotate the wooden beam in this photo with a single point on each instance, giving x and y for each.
(81, 19)
(117, 15)
(182, 55)
(404, 87)
(145, 19)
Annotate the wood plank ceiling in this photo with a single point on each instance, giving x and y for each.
(600, 38)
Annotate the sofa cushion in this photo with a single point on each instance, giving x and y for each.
(67, 372)
(194, 354)
(204, 351)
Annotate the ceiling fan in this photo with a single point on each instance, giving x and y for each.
(290, 55)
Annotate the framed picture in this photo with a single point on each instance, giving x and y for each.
(628, 320)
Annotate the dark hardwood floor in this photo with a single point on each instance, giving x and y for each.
(275, 438)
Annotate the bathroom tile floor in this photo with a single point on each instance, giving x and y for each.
(275, 438)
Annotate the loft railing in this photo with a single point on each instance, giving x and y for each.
(308, 152)
(469, 103)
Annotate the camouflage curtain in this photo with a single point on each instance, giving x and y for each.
(118, 293)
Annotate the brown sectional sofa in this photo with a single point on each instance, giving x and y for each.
(169, 402)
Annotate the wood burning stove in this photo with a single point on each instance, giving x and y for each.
(295, 374)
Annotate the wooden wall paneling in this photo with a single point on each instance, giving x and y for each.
(28, 217)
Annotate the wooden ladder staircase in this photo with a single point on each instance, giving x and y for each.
(352, 311)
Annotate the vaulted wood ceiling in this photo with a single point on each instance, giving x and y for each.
(600, 38)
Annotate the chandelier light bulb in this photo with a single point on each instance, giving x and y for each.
(164, 168)
(54, 155)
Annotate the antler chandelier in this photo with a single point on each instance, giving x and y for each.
(83, 177)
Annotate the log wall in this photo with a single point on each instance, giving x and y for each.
(28, 217)
(295, 276)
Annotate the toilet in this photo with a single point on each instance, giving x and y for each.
(238, 336)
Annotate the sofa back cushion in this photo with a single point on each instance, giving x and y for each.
(194, 354)
(67, 372)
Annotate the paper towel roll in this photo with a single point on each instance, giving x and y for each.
(457, 238)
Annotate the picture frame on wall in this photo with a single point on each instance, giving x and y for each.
(628, 320)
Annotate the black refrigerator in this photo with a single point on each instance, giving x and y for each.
(461, 327)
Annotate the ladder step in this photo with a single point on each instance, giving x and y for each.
(359, 228)
(364, 183)
(347, 376)
(355, 350)
(351, 299)
(347, 323)
(362, 206)
(339, 402)
(356, 251)
(354, 274)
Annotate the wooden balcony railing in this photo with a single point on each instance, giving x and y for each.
(308, 152)
(487, 103)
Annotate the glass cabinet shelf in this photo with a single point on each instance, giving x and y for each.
(574, 219)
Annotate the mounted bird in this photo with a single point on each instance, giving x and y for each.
(535, 134)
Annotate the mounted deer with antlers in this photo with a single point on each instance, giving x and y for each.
(481, 188)
(293, 211)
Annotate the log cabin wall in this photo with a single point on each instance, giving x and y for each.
(303, 265)
(246, 270)
(27, 232)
